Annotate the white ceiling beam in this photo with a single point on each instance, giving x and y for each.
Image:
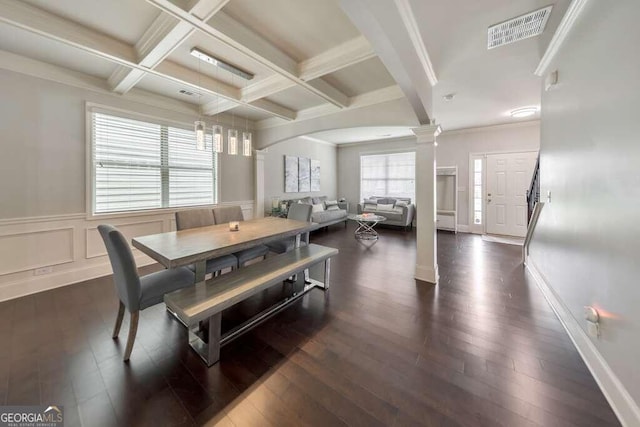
(389, 93)
(162, 37)
(246, 41)
(349, 53)
(342, 56)
(51, 26)
(409, 20)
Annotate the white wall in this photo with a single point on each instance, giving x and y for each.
(454, 148)
(42, 184)
(299, 147)
(586, 246)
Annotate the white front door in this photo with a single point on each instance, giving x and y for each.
(508, 179)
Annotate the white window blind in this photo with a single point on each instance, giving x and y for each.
(391, 174)
(141, 165)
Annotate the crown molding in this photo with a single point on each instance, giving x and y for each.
(318, 140)
(562, 32)
(488, 128)
(409, 20)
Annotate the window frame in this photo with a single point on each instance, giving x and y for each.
(90, 175)
(383, 153)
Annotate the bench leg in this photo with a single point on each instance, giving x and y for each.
(208, 351)
(327, 273)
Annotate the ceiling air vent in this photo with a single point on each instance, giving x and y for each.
(519, 28)
(186, 92)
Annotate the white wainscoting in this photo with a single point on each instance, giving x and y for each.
(71, 247)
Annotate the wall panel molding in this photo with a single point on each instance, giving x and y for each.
(28, 250)
(72, 246)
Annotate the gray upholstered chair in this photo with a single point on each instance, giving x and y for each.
(194, 218)
(300, 212)
(234, 213)
(137, 293)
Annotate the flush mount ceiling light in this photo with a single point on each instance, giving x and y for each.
(210, 59)
(449, 96)
(519, 28)
(523, 112)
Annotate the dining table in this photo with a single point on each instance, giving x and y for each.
(196, 245)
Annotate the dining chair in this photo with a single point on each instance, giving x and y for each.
(137, 293)
(234, 213)
(194, 218)
(299, 212)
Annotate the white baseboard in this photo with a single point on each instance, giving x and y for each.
(427, 274)
(617, 395)
(37, 284)
(463, 228)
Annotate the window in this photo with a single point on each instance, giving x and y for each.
(140, 165)
(388, 174)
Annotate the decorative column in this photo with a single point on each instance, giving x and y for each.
(426, 242)
(259, 183)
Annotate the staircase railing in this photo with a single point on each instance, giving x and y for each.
(533, 194)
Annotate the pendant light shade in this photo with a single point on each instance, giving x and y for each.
(200, 141)
(233, 142)
(218, 145)
(246, 144)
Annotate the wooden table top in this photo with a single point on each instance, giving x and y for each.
(179, 248)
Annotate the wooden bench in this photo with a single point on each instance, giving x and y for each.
(206, 301)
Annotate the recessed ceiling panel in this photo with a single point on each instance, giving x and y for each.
(182, 55)
(239, 114)
(300, 28)
(25, 43)
(361, 78)
(125, 20)
(169, 88)
(296, 98)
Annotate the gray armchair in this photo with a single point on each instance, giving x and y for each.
(194, 218)
(137, 293)
(234, 213)
(300, 212)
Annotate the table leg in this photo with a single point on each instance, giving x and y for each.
(365, 231)
(208, 351)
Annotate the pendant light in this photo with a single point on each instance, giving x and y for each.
(217, 131)
(232, 139)
(247, 149)
(200, 126)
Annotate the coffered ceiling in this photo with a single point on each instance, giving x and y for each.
(308, 57)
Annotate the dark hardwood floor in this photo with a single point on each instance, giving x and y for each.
(481, 349)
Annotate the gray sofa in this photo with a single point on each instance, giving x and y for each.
(399, 211)
(332, 211)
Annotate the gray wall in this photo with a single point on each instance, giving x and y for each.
(300, 147)
(349, 164)
(586, 244)
(454, 149)
(42, 143)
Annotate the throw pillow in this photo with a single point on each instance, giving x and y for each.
(368, 207)
(401, 203)
(382, 207)
(333, 208)
(317, 208)
(331, 202)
